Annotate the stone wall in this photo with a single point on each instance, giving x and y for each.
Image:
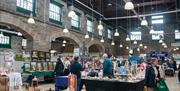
(41, 33)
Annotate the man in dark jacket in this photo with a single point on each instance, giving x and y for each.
(76, 69)
(59, 68)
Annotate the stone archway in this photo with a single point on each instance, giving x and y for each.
(95, 42)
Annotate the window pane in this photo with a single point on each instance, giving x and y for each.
(156, 35)
(55, 12)
(157, 17)
(160, 21)
(75, 21)
(109, 34)
(135, 36)
(89, 26)
(26, 4)
(5, 40)
(100, 33)
(177, 35)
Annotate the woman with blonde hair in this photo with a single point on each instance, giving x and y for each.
(152, 75)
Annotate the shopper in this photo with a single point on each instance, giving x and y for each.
(76, 69)
(152, 75)
(66, 66)
(107, 67)
(59, 68)
(93, 72)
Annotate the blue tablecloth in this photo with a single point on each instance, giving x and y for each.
(61, 82)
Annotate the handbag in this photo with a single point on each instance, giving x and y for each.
(161, 85)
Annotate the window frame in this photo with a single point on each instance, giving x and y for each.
(137, 35)
(6, 45)
(110, 34)
(26, 11)
(78, 21)
(92, 27)
(60, 13)
(157, 34)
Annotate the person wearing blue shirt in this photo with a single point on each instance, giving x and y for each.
(76, 69)
(122, 69)
(107, 67)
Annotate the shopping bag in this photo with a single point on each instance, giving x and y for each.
(161, 85)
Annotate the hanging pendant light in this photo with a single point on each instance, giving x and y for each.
(145, 47)
(64, 45)
(102, 40)
(151, 30)
(116, 33)
(160, 41)
(129, 5)
(92, 38)
(138, 49)
(127, 47)
(1, 35)
(72, 12)
(130, 51)
(31, 19)
(65, 30)
(141, 45)
(121, 45)
(86, 36)
(64, 41)
(163, 44)
(144, 22)
(177, 48)
(100, 26)
(135, 42)
(112, 43)
(19, 34)
(127, 38)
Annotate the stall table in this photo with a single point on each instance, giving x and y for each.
(112, 85)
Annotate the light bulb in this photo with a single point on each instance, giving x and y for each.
(86, 36)
(135, 42)
(127, 47)
(163, 44)
(1, 35)
(100, 26)
(160, 41)
(19, 34)
(63, 44)
(138, 49)
(177, 48)
(116, 33)
(127, 38)
(102, 40)
(141, 45)
(72, 13)
(145, 47)
(144, 22)
(151, 31)
(112, 43)
(129, 5)
(120, 45)
(174, 49)
(64, 41)
(31, 19)
(65, 30)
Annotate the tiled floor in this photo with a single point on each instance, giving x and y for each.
(172, 83)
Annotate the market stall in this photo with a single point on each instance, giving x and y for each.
(113, 85)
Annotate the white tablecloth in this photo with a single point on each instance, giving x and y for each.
(15, 79)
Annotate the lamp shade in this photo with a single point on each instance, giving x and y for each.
(127, 38)
(129, 5)
(138, 49)
(64, 41)
(160, 41)
(144, 22)
(120, 45)
(19, 34)
(112, 43)
(135, 42)
(63, 44)
(151, 31)
(65, 30)
(102, 40)
(71, 14)
(31, 19)
(141, 45)
(100, 26)
(86, 36)
(116, 33)
(145, 47)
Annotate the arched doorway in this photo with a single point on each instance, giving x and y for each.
(64, 46)
(14, 38)
(95, 49)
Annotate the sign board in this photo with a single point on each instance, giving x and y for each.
(76, 51)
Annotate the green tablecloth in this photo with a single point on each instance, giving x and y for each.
(43, 74)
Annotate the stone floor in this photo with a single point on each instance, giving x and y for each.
(171, 82)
